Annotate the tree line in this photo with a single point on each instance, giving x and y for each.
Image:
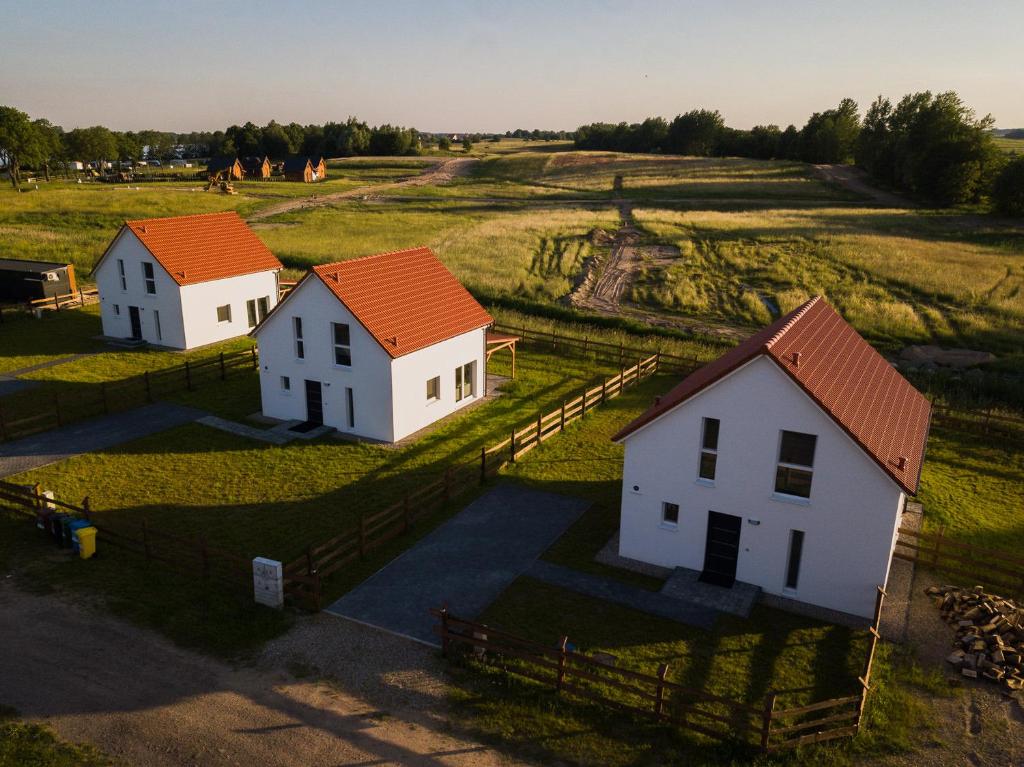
(931, 146)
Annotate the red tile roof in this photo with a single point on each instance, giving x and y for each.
(406, 299)
(205, 247)
(841, 372)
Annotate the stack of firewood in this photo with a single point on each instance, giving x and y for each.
(989, 635)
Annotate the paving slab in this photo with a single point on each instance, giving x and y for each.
(465, 563)
(243, 430)
(611, 590)
(91, 435)
(738, 599)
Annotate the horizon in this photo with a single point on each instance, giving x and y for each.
(449, 68)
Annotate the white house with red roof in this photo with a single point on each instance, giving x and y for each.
(377, 347)
(186, 281)
(784, 464)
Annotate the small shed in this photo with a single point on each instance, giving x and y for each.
(298, 169)
(319, 167)
(256, 168)
(31, 280)
(221, 164)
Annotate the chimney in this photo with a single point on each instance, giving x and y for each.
(796, 359)
(657, 400)
(901, 463)
(143, 228)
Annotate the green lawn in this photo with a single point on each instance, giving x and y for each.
(23, 744)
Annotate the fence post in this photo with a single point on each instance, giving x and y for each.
(865, 678)
(538, 428)
(37, 492)
(657, 360)
(561, 421)
(766, 720)
(622, 378)
(255, 362)
(561, 662)
(586, 342)
(188, 376)
(149, 392)
(362, 535)
(603, 393)
(659, 703)
(444, 630)
(512, 447)
(583, 402)
(56, 408)
(483, 465)
(636, 381)
(620, 353)
(222, 373)
(87, 509)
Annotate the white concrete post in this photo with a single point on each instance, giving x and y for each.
(268, 582)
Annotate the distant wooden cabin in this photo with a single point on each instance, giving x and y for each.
(305, 169)
(256, 168)
(219, 165)
(30, 280)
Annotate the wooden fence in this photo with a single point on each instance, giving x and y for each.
(1000, 570)
(127, 393)
(580, 676)
(191, 557)
(304, 575)
(988, 421)
(616, 353)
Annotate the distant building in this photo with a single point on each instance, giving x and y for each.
(305, 169)
(377, 347)
(30, 280)
(230, 165)
(256, 168)
(186, 281)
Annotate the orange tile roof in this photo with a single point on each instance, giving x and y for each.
(406, 299)
(842, 373)
(209, 246)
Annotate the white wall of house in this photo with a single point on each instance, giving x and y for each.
(200, 301)
(410, 373)
(369, 376)
(187, 314)
(849, 521)
(162, 308)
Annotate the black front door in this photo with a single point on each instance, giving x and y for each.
(722, 549)
(314, 402)
(136, 320)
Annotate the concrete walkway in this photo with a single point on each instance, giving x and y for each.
(610, 590)
(465, 563)
(91, 435)
(233, 427)
(48, 364)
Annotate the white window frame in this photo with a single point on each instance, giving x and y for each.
(149, 278)
(780, 464)
(250, 312)
(665, 521)
(338, 347)
(707, 450)
(286, 385)
(462, 382)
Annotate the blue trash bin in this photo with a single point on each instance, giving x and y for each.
(73, 527)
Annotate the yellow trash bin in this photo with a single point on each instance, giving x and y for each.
(86, 542)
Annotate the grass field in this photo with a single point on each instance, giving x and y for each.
(24, 744)
(1015, 145)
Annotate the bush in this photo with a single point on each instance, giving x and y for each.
(1008, 189)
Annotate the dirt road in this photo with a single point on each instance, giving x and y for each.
(440, 173)
(856, 180)
(374, 699)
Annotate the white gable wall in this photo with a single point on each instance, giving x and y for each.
(849, 520)
(369, 376)
(410, 373)
(200, 301)
(166, 301)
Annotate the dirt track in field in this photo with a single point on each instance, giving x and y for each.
(856, 180)
(440, 173)
(328, 692)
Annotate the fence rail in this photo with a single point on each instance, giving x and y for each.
(580, 676)
(996, 568)
(187, 556)
(127, 393)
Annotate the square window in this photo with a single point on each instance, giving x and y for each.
(796, 460)
(792, 481)
(224, 313)
(670, 513)
(434, 388)
(708, 461)
(797, 448)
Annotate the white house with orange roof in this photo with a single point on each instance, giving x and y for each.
(186, 281)
(377, 347)
(784, 464)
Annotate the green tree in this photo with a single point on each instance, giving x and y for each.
(276, 142)
(695, 132)
(467, 143)
(444, 143)
(50, 146)
(1008, 189)
(831, 136)
(19, 142)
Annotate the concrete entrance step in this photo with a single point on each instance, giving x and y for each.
(684, 584)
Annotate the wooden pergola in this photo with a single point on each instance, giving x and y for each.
(497, 341)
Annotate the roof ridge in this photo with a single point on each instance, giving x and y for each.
(324, 267)
(178, 218)
(798, 314)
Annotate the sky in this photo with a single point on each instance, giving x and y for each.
(441, 65)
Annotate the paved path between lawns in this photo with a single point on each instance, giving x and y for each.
(610, 590)
(91, 435)
(466, 562)
(48, 364)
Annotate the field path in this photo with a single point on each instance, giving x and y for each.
(375, 700)
(856, 180)
(440, 173)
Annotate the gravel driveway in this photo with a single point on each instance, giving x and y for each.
(327, 693)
